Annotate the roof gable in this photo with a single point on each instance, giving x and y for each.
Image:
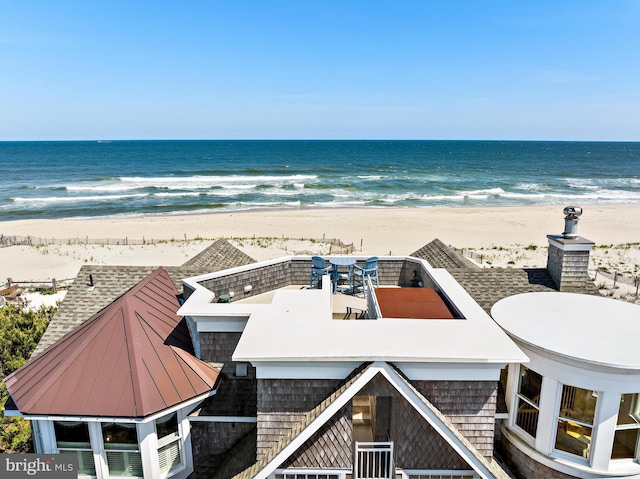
(220, 255)
(131, 359)
(325, 411)
(439, 255)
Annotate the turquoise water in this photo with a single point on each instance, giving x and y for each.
(97, 179)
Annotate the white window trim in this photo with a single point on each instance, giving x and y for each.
(45, 439)
(524, 435)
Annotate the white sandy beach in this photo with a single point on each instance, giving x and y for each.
(505, 236)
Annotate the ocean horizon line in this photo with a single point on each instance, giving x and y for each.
(114, 140)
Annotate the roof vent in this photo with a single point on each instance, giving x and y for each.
(242, 370)
(572, 213)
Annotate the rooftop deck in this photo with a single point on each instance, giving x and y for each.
(284, 323)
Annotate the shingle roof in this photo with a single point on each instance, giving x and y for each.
(110, 282)
(489, 285)
(219, 255)
(132, 359)
(439, 255)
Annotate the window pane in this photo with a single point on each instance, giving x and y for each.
(124, 463)
(527, 417)
(624, 444)
(530, 384)
(628, 413)
(167, 425)
(578, 404)
(86, 465)
(119, 436)
(72, 437)
(169, 456)
(68, 433)
(573, 438)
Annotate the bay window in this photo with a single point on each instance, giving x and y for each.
(575, 421)
(528, 395)
(122, 449)
(625, 441)
(72, 437)
(168, 441)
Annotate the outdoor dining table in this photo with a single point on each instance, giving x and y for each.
(342, 273)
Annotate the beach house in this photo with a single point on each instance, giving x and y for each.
(230, 368)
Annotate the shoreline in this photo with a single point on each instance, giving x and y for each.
(373, 231)
(615, 224)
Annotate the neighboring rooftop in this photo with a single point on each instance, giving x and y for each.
(219, 255)
(439, 255)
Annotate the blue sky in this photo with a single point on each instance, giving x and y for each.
(557, 70)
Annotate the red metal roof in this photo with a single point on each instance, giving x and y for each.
(414, 303)
(132, 359)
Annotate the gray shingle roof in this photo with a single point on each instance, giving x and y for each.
(489, 285)
(111, 282)
(439, 255)
(219, 255)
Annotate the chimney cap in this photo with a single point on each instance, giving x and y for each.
(572, 211)
(572, 214)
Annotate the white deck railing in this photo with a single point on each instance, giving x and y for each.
(373, 308)
(373, 460)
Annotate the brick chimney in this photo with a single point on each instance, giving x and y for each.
(568, 258)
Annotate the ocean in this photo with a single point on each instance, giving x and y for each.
(80, 179)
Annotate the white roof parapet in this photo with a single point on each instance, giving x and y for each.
(298, 328)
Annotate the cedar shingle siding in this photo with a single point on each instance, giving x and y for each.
(218, 347)
(213, 442)
(330, 447)
(469, 405)
(411, 434)
(284, 402)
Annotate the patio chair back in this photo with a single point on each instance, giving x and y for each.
(318, 269)
(318, 263)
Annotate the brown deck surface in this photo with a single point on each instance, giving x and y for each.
(413, 303)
